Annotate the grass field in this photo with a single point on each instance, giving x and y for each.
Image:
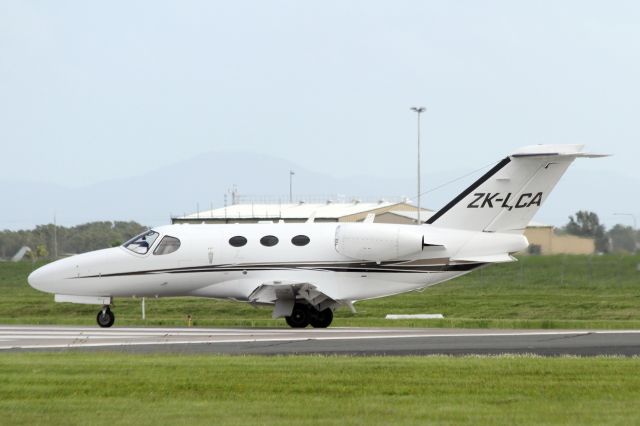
(98, 388)
(74, 388)
(536, 292)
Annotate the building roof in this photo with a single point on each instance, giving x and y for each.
(533, 224)
(321, 211)
(300, 211)
(413, 214)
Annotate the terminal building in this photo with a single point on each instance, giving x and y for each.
(542, 238)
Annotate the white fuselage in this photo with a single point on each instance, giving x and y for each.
(307, 270)
(207, 265)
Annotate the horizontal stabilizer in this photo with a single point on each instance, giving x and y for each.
(555, 150)
(492, 258)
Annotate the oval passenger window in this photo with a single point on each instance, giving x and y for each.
(269, 240)
(237, 241)
(300, 240)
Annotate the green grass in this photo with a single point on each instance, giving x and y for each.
(536, 292)
(105, 388)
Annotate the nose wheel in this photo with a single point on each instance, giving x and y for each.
(105, 317)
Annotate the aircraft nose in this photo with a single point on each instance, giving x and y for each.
(48, 277)
(58, 277)
(36, 279)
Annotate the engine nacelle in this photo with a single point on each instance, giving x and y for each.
(378, 242)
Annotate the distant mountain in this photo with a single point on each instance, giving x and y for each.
(152, 197)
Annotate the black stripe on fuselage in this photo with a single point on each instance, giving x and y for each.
(468, 191)
(333, 267)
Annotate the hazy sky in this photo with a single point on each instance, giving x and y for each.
(90, 91)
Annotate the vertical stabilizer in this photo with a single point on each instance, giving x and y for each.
(507, 197)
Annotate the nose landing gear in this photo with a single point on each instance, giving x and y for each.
(105, 317)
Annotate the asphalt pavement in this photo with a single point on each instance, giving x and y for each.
(353, 341)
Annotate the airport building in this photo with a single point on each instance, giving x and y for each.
(543, 239)
(298, 212)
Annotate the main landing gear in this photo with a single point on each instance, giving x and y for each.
(303, 315)
(105, 317)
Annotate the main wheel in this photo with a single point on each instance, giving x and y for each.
(321, 319)
(105, 318)
(300, 316)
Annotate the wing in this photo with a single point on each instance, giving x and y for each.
(285, 295)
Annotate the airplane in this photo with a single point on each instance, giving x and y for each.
(305, 271)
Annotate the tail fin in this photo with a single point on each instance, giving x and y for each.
(506, 198)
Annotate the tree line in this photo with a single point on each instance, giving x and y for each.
(619, 238)
(46, 240)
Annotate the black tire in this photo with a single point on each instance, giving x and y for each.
(321, 319)
(300, 316)
(105, 318)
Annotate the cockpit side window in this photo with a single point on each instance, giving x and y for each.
(167, 245)
(140, 244)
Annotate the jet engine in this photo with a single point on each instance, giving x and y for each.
(378, 242)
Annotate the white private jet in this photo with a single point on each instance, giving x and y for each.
(307, 270)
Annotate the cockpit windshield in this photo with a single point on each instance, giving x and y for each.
(141, 243)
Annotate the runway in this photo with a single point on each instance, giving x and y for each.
(353, 341)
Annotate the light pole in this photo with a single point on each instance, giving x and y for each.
(635, 226)
(291, 173)
(419, 111)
